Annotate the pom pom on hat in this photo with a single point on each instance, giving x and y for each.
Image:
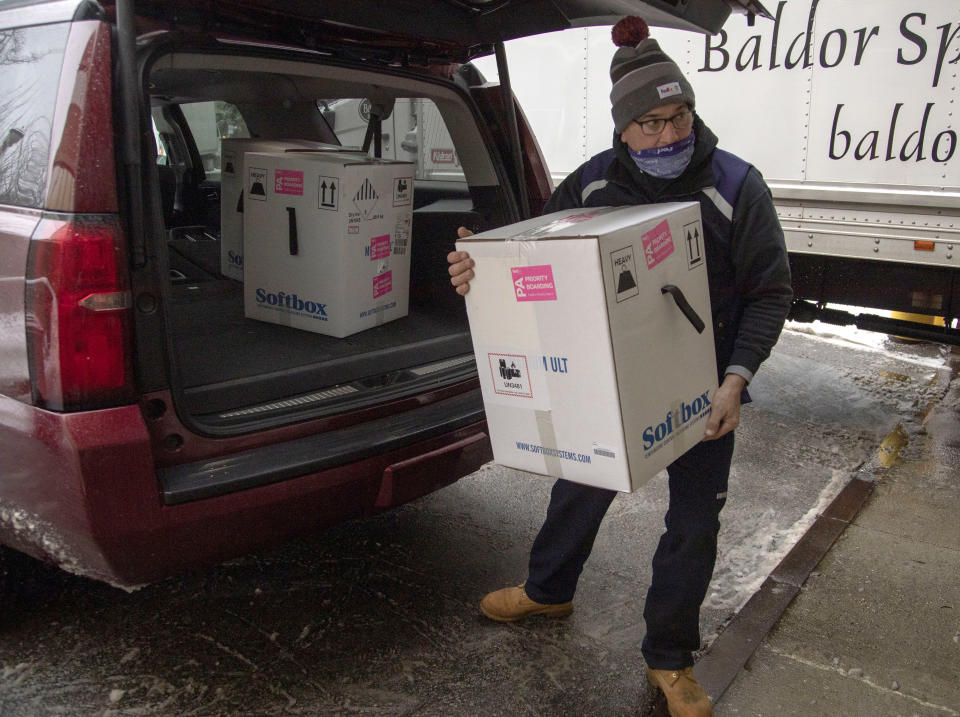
(630, 31)
(643, 75)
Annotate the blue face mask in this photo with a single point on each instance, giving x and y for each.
(667, 162)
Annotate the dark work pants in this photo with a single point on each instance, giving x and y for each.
(682, 565)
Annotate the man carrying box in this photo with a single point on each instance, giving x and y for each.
(663, 152)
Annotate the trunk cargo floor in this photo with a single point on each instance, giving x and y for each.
(229, 360)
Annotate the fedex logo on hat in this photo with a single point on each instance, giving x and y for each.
(669, 90)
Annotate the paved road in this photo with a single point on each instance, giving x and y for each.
(379, 617)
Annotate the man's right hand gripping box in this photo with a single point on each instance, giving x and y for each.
(594, 341)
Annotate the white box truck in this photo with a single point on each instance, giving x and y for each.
(850, 111)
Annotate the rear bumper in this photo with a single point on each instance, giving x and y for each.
(316, 453)
(81, 490)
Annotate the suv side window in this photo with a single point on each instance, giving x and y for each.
(414, 132)
(209, 122)
(30, 61)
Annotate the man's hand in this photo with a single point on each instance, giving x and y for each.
(461, 265)
(725, 407)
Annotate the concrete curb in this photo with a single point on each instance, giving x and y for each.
(728, 654)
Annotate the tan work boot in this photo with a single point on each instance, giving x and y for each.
(685, 696)
(511, 604)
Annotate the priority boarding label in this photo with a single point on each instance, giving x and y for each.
(288, 181)
(657, 244)
(533, 283)
(380, 247)
(382, 284)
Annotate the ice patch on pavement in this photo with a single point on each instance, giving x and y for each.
(852, 337)
(844, 335)
(748, 553)
(862, 340)
(830, 397)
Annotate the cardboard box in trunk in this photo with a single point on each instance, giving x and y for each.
(232, 150)
(589, 366)
(326, 240)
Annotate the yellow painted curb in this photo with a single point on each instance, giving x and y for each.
(889, 451)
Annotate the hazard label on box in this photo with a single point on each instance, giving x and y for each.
(511, 375)
(402, 191)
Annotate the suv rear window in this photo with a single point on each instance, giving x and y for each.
(30, 61)
(414, 132)
(210, 122)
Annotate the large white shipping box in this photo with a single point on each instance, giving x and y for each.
(326, 240)
(232, 150)
(590, 369)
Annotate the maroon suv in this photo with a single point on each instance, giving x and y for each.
(147, 425)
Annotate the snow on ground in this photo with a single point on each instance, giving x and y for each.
(851, 336)
(880, 396)
(745, 561)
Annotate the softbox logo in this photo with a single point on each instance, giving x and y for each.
(677, 420)
(291, 302)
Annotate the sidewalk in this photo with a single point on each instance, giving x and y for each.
(874, 629)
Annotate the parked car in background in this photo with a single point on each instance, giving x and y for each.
(146, 425)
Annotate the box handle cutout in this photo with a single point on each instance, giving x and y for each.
(292, 217)
(684, 306)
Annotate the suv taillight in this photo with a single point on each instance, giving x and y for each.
(78, 314)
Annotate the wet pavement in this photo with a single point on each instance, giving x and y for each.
(875, 627)
(379, 617)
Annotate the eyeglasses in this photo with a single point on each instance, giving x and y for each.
(681, 120)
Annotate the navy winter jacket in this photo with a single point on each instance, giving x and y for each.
(749, 276)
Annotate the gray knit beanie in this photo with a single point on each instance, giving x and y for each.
(644, 77)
